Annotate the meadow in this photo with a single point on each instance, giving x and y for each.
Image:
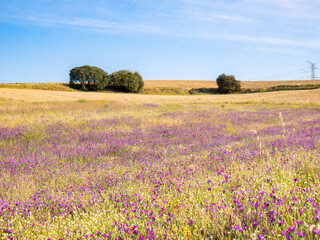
(147, 167)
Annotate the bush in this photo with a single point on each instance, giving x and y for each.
(88, 78)
(127, 81)
(228, 84)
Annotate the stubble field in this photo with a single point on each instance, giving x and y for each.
(159, 167)
(283, 97)
(212, 84)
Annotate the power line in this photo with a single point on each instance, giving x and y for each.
(281, 75)
(302, 78)
(291, 74)
(313, 68)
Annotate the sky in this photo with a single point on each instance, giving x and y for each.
(41, 40)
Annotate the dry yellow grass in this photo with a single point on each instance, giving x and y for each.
(165, 84)
(28, 95)
(57, 86)
(212, 84)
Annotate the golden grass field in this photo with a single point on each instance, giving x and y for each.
(29, 95)
(212, 84)
(151, 86)
(60, 92)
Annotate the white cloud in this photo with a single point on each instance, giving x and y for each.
(279, 50)
(271, 40)
(248, 21)
(215, 16)
(96, 24)
(103, 26)
(293, 9)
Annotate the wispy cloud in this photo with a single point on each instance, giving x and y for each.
(235, 21)
(266, 40)
(92, 24)
(214, 16)
(278, 50)
(95, 24)
(292, 9)
(270, 40)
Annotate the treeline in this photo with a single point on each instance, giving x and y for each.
(91, 78)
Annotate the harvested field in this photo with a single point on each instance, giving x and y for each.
(212, 84)
(168, 87)
(28, 95)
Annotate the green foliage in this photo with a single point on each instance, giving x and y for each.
(127, 81)
(88, 78)
(282, 88)
(165, 91)
(195, 91)
(228, 84)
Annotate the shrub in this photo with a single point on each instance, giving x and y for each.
(127, 81)
(88, 78)
(228, 84)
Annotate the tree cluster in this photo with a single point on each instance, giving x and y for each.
(91, 78)
(228, 84)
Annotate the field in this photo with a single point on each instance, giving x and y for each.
(183, 87)
(212, 84)
(283, 97)
(79, 165)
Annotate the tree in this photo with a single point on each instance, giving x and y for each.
(125, 80)
(228, 84)
(88, 78)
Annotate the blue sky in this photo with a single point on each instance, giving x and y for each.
(41, 40)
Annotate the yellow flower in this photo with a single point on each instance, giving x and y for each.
(186, 230)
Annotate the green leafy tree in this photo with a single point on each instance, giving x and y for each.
(88, 78)
(228, 84)
(127, 81)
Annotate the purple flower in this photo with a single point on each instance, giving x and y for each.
(301, 233)
(190, 222)
(291, 229)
